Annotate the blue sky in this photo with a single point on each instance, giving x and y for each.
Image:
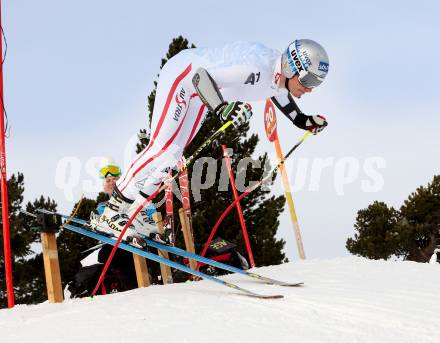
(77, 75)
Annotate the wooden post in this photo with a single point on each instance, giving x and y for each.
(142, 276)
(167, 277)
(188, 236)
(52, 267)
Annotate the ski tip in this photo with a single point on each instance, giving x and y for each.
(296, 284)
(263, 296)
(276, 296)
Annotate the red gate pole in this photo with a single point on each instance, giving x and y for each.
(4, 187)
(239, 210)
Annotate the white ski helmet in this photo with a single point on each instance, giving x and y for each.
(306, 58)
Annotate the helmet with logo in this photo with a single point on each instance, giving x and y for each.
(306, 58)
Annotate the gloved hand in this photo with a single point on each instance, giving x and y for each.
(239, 112)
(316, 124)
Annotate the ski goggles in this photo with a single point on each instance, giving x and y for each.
(309, 80)
(110, 170)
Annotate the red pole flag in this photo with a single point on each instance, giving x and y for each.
(169, 218)
(184, 191)
(4, 188)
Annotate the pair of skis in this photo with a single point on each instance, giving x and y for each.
(85, 229)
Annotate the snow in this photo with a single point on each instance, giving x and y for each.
(346, 299)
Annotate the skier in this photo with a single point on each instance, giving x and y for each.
(188, 88)
(122, 275)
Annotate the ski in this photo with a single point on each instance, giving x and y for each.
(172, 264)
(220, 265)
(184, 253)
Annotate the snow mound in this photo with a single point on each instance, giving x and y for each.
(344, 300)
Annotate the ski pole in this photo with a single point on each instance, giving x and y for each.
(185, 165)
(249, 190)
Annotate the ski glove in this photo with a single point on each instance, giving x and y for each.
(239, 112)
(316, 124)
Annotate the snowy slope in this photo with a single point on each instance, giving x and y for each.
(345, 300)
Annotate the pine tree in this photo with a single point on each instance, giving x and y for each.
(375, 235)
(28, 272)
(413, 232)
(20, 237)
(420, 231)
(261, 210)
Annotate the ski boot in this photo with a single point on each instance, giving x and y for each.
(143, 221)
(113, 219)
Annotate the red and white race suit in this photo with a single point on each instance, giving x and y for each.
(243, 71)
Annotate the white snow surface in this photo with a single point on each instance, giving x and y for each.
(344, 300)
